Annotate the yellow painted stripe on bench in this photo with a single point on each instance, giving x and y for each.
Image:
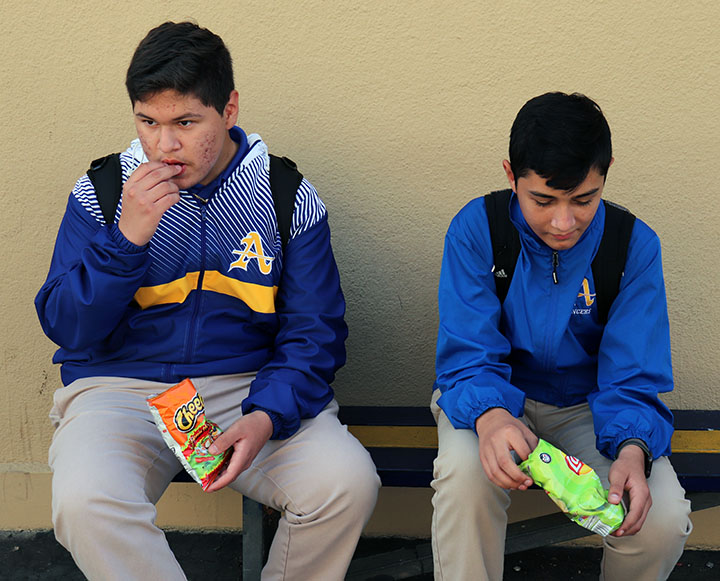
(696, 441)
(683, 441)
(396, 436)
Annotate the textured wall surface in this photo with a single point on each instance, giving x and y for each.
(399, 114)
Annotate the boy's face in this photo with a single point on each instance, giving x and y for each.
(179, 130)
(558, 217)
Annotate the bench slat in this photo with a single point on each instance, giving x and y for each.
(377, 436)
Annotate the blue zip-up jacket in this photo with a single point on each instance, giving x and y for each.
(545, 342)
(213, 293)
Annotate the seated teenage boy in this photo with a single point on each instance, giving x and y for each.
(543, 363)
(191, 280)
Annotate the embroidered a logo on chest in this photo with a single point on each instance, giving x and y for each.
(583, 307)
(253, 250)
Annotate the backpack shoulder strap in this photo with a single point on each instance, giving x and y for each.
(105, 174)
(608, 266)
(505, 240)
(284, 182)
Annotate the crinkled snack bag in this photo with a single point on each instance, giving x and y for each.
(179, 413)
(574, 487)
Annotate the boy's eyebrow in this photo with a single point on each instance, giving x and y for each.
(588, 193)
(178, 118)
(541, 195)
(550, 197)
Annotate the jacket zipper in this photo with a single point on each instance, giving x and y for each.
(553, 300)
(194, 320)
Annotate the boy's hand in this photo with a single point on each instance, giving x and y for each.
(628, 473)
(499, 433)
(147, 194)
(247, 436)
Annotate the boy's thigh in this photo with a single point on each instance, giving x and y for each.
(457, 449)
(571, 429)
(322, 459)
(106, 441)
(457, 469)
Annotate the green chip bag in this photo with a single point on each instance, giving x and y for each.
(574, 487)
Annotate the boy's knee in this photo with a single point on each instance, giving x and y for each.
(460, 474)
(357, 484)
(462, 490)
(669, 522)
(74, 511)
(349, 489)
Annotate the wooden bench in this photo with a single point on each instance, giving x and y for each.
(403, 444)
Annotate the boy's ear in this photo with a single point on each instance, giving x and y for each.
(230, 114)
(509, 174)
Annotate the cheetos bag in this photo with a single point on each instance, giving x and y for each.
(179, 413)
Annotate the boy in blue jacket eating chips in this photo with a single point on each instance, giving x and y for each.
(559, 353)
(192, 277)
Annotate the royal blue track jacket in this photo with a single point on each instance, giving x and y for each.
(213, 292)
(545, 342)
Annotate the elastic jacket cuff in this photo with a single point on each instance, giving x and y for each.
(644, 447)
(275, 417)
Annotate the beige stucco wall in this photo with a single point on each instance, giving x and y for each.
(399, 113)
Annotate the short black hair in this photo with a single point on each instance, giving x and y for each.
(185, 58)
(560, 137)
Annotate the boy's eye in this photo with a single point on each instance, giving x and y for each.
(583, 202)
(185, 123)
(542, 204)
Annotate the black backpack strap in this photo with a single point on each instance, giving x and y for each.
(608, 266)
(505, 240)
(105, 174)
(106, 177)
(284, 182)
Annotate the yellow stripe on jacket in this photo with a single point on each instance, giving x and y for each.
(259, 298)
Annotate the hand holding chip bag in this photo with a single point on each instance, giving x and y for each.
(574, 487)
(179, 413)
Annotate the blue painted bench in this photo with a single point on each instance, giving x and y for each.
(403, 443)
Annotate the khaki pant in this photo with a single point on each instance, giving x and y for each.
(469, 517)
(110, 466)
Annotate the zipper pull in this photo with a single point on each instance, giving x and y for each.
(555, 262)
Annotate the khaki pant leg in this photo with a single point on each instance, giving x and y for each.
(469, 511)
(321, 479)
(110, 465)
(652, 553)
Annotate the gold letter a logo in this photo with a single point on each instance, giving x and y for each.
(253, 249)
(589, 298)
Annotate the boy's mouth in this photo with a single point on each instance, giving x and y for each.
(180, 164)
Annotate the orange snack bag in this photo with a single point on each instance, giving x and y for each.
(179, 413)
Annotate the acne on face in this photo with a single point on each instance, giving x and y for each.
(196, 135)
(209, 148)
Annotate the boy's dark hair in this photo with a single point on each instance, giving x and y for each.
(185, 58)
(561, 138)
